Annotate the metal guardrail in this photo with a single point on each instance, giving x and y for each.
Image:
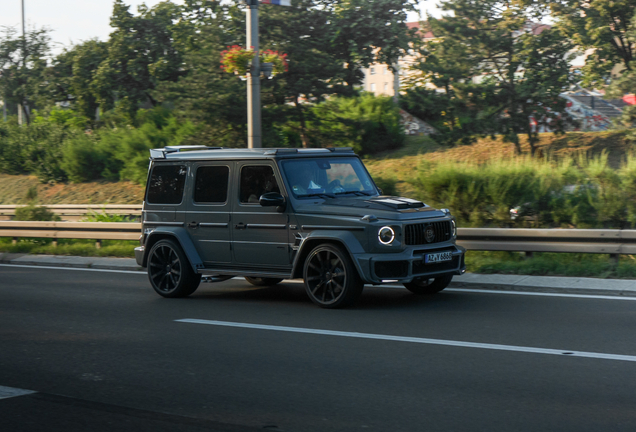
(77, 211)
(97, 231)
(599, 241)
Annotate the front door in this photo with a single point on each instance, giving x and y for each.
(260, 235)
(208, 216)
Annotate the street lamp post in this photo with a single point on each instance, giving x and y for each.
(254, 130)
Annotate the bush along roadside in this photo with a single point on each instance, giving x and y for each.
(578, 192)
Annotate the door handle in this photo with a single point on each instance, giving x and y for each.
(193, 224)
(240, 225)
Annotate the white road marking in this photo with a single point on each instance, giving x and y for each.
(541, 294)
(427, 341)
(463, 290)
(74, 268)
(9, 392)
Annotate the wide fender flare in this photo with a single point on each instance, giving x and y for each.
(181, 236)
(346, 238)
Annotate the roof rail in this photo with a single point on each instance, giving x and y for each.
(308, 150)
(161, 153)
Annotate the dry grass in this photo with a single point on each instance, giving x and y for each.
(13, 190)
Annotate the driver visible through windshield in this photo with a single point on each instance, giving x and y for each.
(327, 177)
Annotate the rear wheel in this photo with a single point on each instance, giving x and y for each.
(429, 286)
(331, 279)
(169, 270)
(257, 281)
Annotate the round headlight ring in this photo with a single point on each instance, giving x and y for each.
(386, 235)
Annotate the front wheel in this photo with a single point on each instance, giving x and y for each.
(257, 281)
(331, 279)
(169, 270)
(428, 286)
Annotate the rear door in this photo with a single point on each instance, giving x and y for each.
(208, 216)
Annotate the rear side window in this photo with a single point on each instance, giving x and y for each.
(166, 184)
(211, 184)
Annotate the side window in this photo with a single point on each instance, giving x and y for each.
(255, 181)
(211, 183)
(166, 184)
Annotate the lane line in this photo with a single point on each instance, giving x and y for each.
(426, 341)
(462, 290)
(9, 392)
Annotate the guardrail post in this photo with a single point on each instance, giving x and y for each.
(528, 255)
(54, 243)
(98, 244)
(14, 241)
(614, 259)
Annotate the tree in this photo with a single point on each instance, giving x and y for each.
(518, 67)
(369, 31)
(71, 74)
(602, 26)
(141, 53)
(22, 62)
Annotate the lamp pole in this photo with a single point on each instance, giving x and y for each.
(254, 131)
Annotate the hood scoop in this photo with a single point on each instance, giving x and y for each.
(397, 203)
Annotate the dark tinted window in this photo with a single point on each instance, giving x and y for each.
(166, 184)
(255, 181)
(211, 184)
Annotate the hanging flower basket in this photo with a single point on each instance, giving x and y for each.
(237, 60)
(278, 60)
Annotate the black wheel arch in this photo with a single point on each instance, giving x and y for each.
(181, 237)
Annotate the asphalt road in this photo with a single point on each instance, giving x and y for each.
(102, 352)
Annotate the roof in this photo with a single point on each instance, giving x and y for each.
(213, 153)
(427, 33)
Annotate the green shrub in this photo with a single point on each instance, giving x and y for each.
(583, 193)
(32, 212)
(87, 158)
(367, 123)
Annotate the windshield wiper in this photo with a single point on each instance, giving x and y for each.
(358, 193)
(320, 194)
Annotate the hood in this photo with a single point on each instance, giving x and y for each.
(382, 207)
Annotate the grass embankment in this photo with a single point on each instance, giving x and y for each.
(70, 247)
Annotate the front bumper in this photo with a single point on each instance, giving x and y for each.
(408, 265)
(139, 255)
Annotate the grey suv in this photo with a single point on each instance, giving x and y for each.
(274, 214)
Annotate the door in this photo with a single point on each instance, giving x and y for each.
(260, 235)
(208, 216)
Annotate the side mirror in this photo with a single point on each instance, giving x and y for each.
(272, 199)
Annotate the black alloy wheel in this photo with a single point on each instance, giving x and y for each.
(169, 270)
(331, 279)
(428, 286)
(258, 281)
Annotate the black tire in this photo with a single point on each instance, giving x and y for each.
(429, 286)
(331, 279)
(170, 272)
(257, 281)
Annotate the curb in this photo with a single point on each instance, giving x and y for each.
(625, 287)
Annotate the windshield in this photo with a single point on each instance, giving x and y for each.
(327, 177)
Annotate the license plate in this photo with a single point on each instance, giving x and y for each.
(438, 257)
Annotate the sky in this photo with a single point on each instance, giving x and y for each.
(73, 21)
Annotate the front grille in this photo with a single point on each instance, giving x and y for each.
(420, 268)
(415, 234)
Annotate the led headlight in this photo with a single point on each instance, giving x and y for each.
(453, 228)
(386, 235)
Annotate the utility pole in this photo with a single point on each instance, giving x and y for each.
(254, 130)
(23, 107)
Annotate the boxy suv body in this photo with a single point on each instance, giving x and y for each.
(274, 214)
